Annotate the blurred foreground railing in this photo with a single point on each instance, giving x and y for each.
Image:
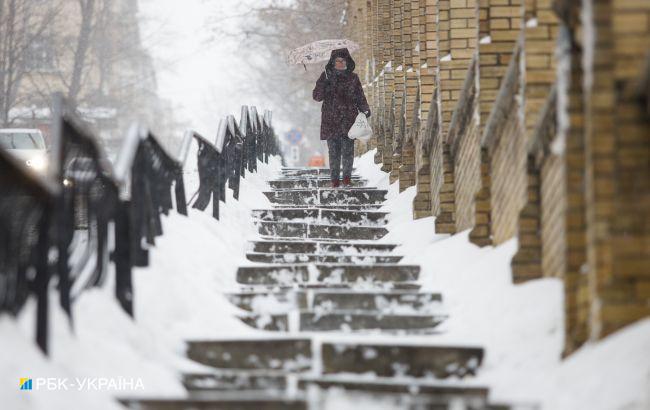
(61, 232)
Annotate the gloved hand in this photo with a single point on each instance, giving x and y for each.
(367, 113)
(329, 74)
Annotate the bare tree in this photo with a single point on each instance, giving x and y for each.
(86, 29)
(96, 57)
(20, 31)
(267, 34)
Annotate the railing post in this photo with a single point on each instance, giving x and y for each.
(122, 256)
(179, 189)
(42, 280)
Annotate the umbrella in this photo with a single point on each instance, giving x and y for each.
(319, 51)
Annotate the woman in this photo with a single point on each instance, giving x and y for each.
(340, 91)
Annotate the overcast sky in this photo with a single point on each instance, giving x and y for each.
(199, 73)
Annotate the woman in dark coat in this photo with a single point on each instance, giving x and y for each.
(339, 88)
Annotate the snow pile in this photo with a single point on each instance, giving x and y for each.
(520, 326)
(178, 297)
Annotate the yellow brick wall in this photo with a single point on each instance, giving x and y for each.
(619, 152)
(580, 213)
(429, 58)
(540, 31)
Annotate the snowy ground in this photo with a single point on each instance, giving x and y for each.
(178, 297)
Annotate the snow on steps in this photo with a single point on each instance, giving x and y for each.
(316, 258)
(345, 321)
(317, 231)
(320, 247)
(356, 300)
(327, 196)
(365, 291)
(326, 273)
(309, 183)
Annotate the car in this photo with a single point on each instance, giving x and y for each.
(27, 145)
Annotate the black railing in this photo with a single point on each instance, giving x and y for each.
(26, 211)
(59, 232)
(88, 200)
(211, 175)
(237, 149)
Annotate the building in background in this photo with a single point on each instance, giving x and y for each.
(89, 50)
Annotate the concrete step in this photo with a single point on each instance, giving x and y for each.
(287, 215)
(396, 301)
(271, 400)
(332, 258)
(390, 360)
(328, 196)
(393, 301)
(322, 216)
(354, 217)
(321, 247)
(341, 207)
(376, 397)
(313, 177)
(344, 321)
(269, 302)
(312, 231)
(227, 380)
(326, 273)
(358, 248)
(278, 353)
(304, 171)
(441, 391)
(308, 171)
(202, 384)
(236, 402)
(377, 286)
(310, 183)
(282, 247)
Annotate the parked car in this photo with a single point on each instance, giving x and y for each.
(26, 145)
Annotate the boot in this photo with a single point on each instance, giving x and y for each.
(335, 183)
(346, 181)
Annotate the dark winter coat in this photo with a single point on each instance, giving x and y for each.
(342, 97)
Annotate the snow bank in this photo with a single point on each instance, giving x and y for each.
(520, 326)
(179, 296)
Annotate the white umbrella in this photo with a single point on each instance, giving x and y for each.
(319, 51)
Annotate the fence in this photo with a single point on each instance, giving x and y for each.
(64, 229)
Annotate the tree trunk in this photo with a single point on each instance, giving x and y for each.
(83, 44)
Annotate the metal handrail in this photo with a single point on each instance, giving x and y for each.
(85, 195)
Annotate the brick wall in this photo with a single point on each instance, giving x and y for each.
(464, 141)
(422, 205)
(552, 151)
(541, 221)
(481, 235)
(619, 255)
(507, 151)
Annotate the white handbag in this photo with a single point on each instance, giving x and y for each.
(361, 129)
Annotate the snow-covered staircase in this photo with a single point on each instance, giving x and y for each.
(340, 317)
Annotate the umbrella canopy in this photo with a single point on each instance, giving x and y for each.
(319, 51)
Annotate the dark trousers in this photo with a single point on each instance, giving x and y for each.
(341, 149)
